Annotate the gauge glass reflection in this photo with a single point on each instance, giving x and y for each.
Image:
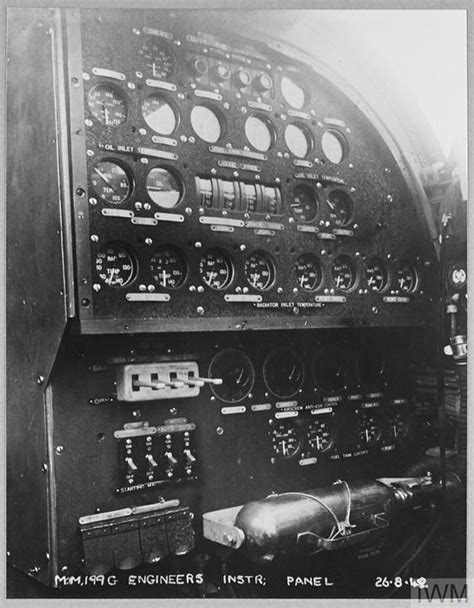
(163, 188)
(320, 434)
(334, 146)
(376, 275)
(259, 270)
(293, 93)
(259, 133)
(407, 278)
(297, 140)
(283, 372)
(216, 269)
(108, 105)
(168, 267)
(340, 207)
(111, 182)
(344, 273)
(237, 373)
(206, 124)
(308, 272)
(159, 59)
(159, 115)
(304, 203)
(329, 370)
(286, 439)
(115, 265)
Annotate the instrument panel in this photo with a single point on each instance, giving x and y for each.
(230, 184)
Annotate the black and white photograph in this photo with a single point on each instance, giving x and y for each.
(236, 302)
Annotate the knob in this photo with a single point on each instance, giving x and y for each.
(242, 79)
(221, 72)
(199, 66)
(171, 459)
(263, 82)
(151, 460)
(132, 467)
(189, 457)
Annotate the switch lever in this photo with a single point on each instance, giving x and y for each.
(151, 460)
(215, 381)
(131, 465)
(190, 458)
(174, 384)
(172, 460)
(193, 382)
(144, 383)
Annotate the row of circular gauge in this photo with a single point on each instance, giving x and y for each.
(117, 267)
(110, 106)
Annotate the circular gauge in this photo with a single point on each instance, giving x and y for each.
(108, 104)
(286, 439)
(457, 275)
(163, 188)
(368, 429)
(206, 124)
(216, 269)
(407, 278)
(376, 274)
(320, 434)
(168, 267)
(304, 203)
(111, 182)
(259, 270)
(159, 58)
(329, 370)
(298, 141)
(344, 273)
(237, 373)
(398, 426)
(371, 367)
(308, 272)
(340, 207)
(283, 373)
(334, 146)
(116, 265)
(293, 93)
(159, 115)
(259, 132)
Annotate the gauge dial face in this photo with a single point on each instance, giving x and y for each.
(159, 115)
(286, 439)
(283, 372)
(368, 429)
(398, 426)
(259, 270)
(292, 93)
(329, 370)
(237, 373)
(111, 182)
(159, 59)
(407, 278)
(334, 146)
(304, 203)
(259, 133)
(168, 267)
(206, 124)
(163, 188)
(108, 104)
(320, 434)
(376, 275)
(116, 265)
(216, 269)
(344, 273)
(340, 207)
(298, 141)
(308, 272)
(371, 367)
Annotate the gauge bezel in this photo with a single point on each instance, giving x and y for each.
(179, 254)
(355, 268)
(388, 270)
(165, 44)
(126, 169)
(171, 103)
(265, 371)
(314, 194)
(177, 176)
(132, 255)
(295, 79)
(325, 353)
(416, 272)
(121, 92)
(377, 415)
(231, 265)
(320, 283)
(215, 388)
(350, 215)
(333, 433)
(220, 117)
(341, 139)
(271, 263)
(271, 128)
(307, 133)
(301, 439)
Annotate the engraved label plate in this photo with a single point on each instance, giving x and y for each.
(157, 506)
(332, 178)
(334, 121)
(326, 236)
(261, 407)
(164, 141)
(108, 73)
(399, 401)
(304, 462)
(139, 432)
(222, 228)
(169, 217)
(177, 427)
(354, 397)
(236, 152)
(159, 84)
(283, 404)
(370, 404)
(148, 297)
(242, 297)
(96, 517)
(257, 105)
(289, 414)
(323, 410)
(396, 300)
(335, 399)
(303, 163)
(117, 213)
(157, 153)
(228, 164)
(343, 232)
(221, 221)
(153, 32)
(299, 114)
(260, 232)
(374, 395)
(247, 167)
(330, 299)
(144, 221)
(207, 95)
(313, 229)
(236, 409)
(264, 225)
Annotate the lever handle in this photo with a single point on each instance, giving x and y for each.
(172, 460)
(132, 467)
(144, 383)
(190, 458)
(151, 460)
(215, 381)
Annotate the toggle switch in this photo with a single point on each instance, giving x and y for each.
(193, 382)
(174, 384)
(215, 381)
(189, 457)
(154, 385)
(172, 460)
(152, 461)
(132, 467)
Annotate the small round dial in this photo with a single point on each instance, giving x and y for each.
(283, 372)
(304, 203)
(320, 435)
(376, 275)
(168, 267)
(163, 188)
(298, 140)
(329, 370)
(292, 93)
(407, 278)
(216, 269)
(159, 58)
(108, 104)
(398, 426)
(308, 272)
(206, 124)
(259, 132)
(111, 182)
(116, 265)
(344, 273)
(369, 429)
(340, 207)
(334, 146)
(159, 115)
(286, 439)
(237, 373)
(259, 270)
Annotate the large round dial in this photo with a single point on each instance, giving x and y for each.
(369, 428)
(163, 188)
(292, 93)
(286, 439)
(237, 373)
(407, 278)
(116, 265)
(320, 434)
(344, 273)
(304, 203)
(206, 123)
(376, 274)
(298, 140)
(168, 267)
(370, 367)
(111, 182)
(308, 272)
(108, 104)
(259, 132)
(340, 207)
(216, 269)
(334, 145)
(159, 115)
(159, 58)
(329, 370)
(283, 372)
(259, 270)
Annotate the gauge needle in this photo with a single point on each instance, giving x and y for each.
(163, 274)
(318, 443)
(105, 178)
(331, 205)
(283, 447)
(338, 280)
(292, 373)
(106, 113)
(367, 435)
(301, 281)
(157, 188)
(255, 279)
(239, 379)
(371, 281)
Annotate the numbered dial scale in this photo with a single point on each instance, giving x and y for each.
(111, 182)
(116, 265)
(168, 267)
(369, 429)
(237, 374)
(320, 434)
(286, 439)
(108, 104)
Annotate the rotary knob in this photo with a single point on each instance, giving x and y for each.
(242, 79)
(221, 72)
(263, 82)
(198, 66)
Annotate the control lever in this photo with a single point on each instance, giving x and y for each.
(174, 384)
(151, 460)
(190, 458)
(144, 383)
(172, 460)
(132, 467)
(193, 382)
(215, 381)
